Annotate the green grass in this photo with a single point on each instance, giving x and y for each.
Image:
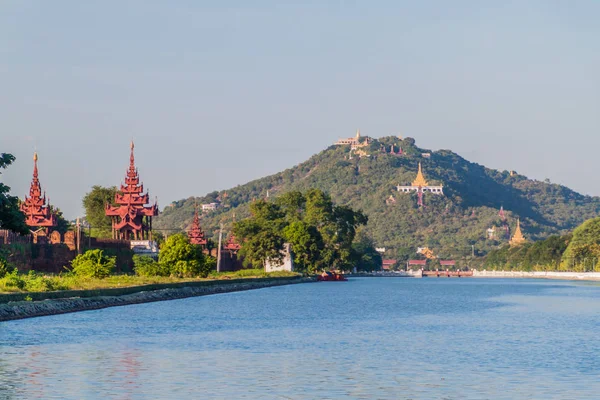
(38, 282)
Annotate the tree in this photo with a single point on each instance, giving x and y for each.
(307, 245)
(183, 259)
(94, 204)
(367, 258)
(320, 233)
(11, 217)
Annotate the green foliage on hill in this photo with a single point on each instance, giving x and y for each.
(449, 224)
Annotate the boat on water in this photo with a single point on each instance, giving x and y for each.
(330, 276)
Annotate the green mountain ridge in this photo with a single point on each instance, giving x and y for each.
(449, 225)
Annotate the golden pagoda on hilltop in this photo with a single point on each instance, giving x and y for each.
(420, 179)
(518, 237)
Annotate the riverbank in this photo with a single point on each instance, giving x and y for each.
(14, 306)
(584, 276)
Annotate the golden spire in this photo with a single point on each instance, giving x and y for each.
(358, 133)
(131, 145)
(420, 179)
(518, 237)
(35, 157)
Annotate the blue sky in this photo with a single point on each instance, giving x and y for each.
(219, 93)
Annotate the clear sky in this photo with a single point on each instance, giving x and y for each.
(217, 93)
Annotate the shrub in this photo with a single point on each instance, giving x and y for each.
(93, 264)
(181, 258)
(147, 266)
(13, 279)
(39, 283)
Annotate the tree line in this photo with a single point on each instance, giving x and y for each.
(321, 235)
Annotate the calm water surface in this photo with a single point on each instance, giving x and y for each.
(369, 338)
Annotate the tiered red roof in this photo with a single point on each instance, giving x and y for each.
(35, 207)
(232, 244)
(132, 218)
(195, 234)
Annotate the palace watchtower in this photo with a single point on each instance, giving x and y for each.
(132, 216)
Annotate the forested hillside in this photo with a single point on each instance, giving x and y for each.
(449, 225)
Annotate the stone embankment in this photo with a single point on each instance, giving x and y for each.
(588, 276)
(51, 306)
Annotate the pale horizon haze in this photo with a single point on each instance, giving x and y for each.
(218, 93)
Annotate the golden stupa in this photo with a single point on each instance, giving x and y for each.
(420, 179)
(518, 237)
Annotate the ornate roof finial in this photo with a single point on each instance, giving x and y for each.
(420, 179)
(358, 133)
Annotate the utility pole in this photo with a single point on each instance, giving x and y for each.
(219, 248)
(78, 233)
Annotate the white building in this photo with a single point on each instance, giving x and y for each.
(287, 263)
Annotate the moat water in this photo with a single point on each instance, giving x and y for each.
(369, 338)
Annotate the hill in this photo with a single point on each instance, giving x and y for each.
(452, 225)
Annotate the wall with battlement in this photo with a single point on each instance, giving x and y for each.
(54, 253)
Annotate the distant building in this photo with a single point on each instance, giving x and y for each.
(287, 264)
(426, 155)
(416, 263)
(195, 233)
(38, 212)
(209, 207)
(447, 263)
(144, 247)
(380, 249)
(132, 216)
(420, 185)
(386, 265)
(355, 142)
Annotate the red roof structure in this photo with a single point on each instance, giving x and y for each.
(417, 262)
(447, 263)
(131, 218)
(387, 264)
(232, 244)
(35, 207)
(195, 234)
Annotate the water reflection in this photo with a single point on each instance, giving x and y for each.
(367, 338)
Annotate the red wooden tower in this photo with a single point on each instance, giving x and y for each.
(132, 218)
(35, 207)
(195, 233)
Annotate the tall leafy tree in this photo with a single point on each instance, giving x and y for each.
(261, 234)
(320, 233)
(94, 204)
(10, 216)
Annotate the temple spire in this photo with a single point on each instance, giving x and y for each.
(132, 217)
(518, 237)
(36, 207)
(358, 134)
(420, 179)
(131, 157)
